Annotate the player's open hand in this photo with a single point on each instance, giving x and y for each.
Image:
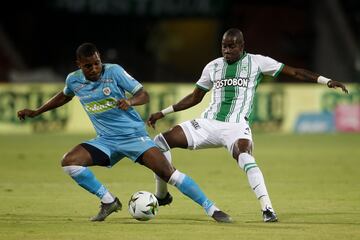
(335, 84)
(124, 104)
(22, 114)
(153, 118)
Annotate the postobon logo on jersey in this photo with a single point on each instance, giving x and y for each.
(101, 106)
(236, 82)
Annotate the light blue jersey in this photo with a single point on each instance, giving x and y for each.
(120, 133)
(99, 99)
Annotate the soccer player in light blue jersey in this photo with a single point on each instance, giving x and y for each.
(120, 131)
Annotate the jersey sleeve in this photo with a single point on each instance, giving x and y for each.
(67, 89)
(125, 80)
(268, 66)
(205, 83)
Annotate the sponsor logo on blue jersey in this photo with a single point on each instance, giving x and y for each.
(101, 106)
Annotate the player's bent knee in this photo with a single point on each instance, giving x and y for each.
(245, 159)
(65, 161)
(68, 160)
(161, 142)
(241, 146)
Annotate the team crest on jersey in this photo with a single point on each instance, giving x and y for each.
(106, 91)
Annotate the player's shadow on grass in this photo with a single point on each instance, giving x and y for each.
(113, 219)
(335, 218)
(24, 218)
(286, 220)
(169, 220)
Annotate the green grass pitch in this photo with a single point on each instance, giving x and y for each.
(313, 181)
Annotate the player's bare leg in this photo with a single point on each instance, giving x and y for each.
(75, 163)
(242, 153)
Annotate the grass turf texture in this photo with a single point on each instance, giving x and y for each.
(313, 180)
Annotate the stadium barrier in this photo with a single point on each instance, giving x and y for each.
(277, 107)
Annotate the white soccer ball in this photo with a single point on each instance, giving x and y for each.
(143, 205)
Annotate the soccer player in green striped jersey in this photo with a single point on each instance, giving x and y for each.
(233, 80)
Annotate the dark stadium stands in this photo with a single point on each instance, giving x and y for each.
(155, 43)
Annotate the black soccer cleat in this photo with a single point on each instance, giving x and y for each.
(221, 217)
(106, 209)
(166, 200)
(269, 215)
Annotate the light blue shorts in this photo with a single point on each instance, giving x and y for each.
(118, 148)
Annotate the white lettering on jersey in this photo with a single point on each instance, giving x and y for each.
(236, 82)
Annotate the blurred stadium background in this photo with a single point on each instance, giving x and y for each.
(166, 42)
(313, 178)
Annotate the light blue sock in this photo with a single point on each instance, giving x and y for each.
(189, 187)
(86, 179)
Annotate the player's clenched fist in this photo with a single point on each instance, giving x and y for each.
(22, 114)
(153, 118)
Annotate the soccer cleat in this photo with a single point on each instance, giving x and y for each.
(166, 200)
(222, 217)
(269, 215)
(106, 209)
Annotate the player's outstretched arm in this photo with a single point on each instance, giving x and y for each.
(306, 75)
(58, 100)
(187, 102)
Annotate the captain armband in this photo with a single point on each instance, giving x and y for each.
(167, 110)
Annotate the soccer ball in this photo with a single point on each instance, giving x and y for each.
(143, 205)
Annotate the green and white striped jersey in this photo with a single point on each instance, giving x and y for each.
(234, 85)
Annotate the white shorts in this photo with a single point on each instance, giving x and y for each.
(207, 133)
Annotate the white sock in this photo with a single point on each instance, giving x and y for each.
(73, 170)
(161, 186)
(256, 179)
(211, 210)
(266, 204)
(257, 183)
(107, 198)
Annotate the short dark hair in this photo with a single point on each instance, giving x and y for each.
(86, 50)
(235, 32)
